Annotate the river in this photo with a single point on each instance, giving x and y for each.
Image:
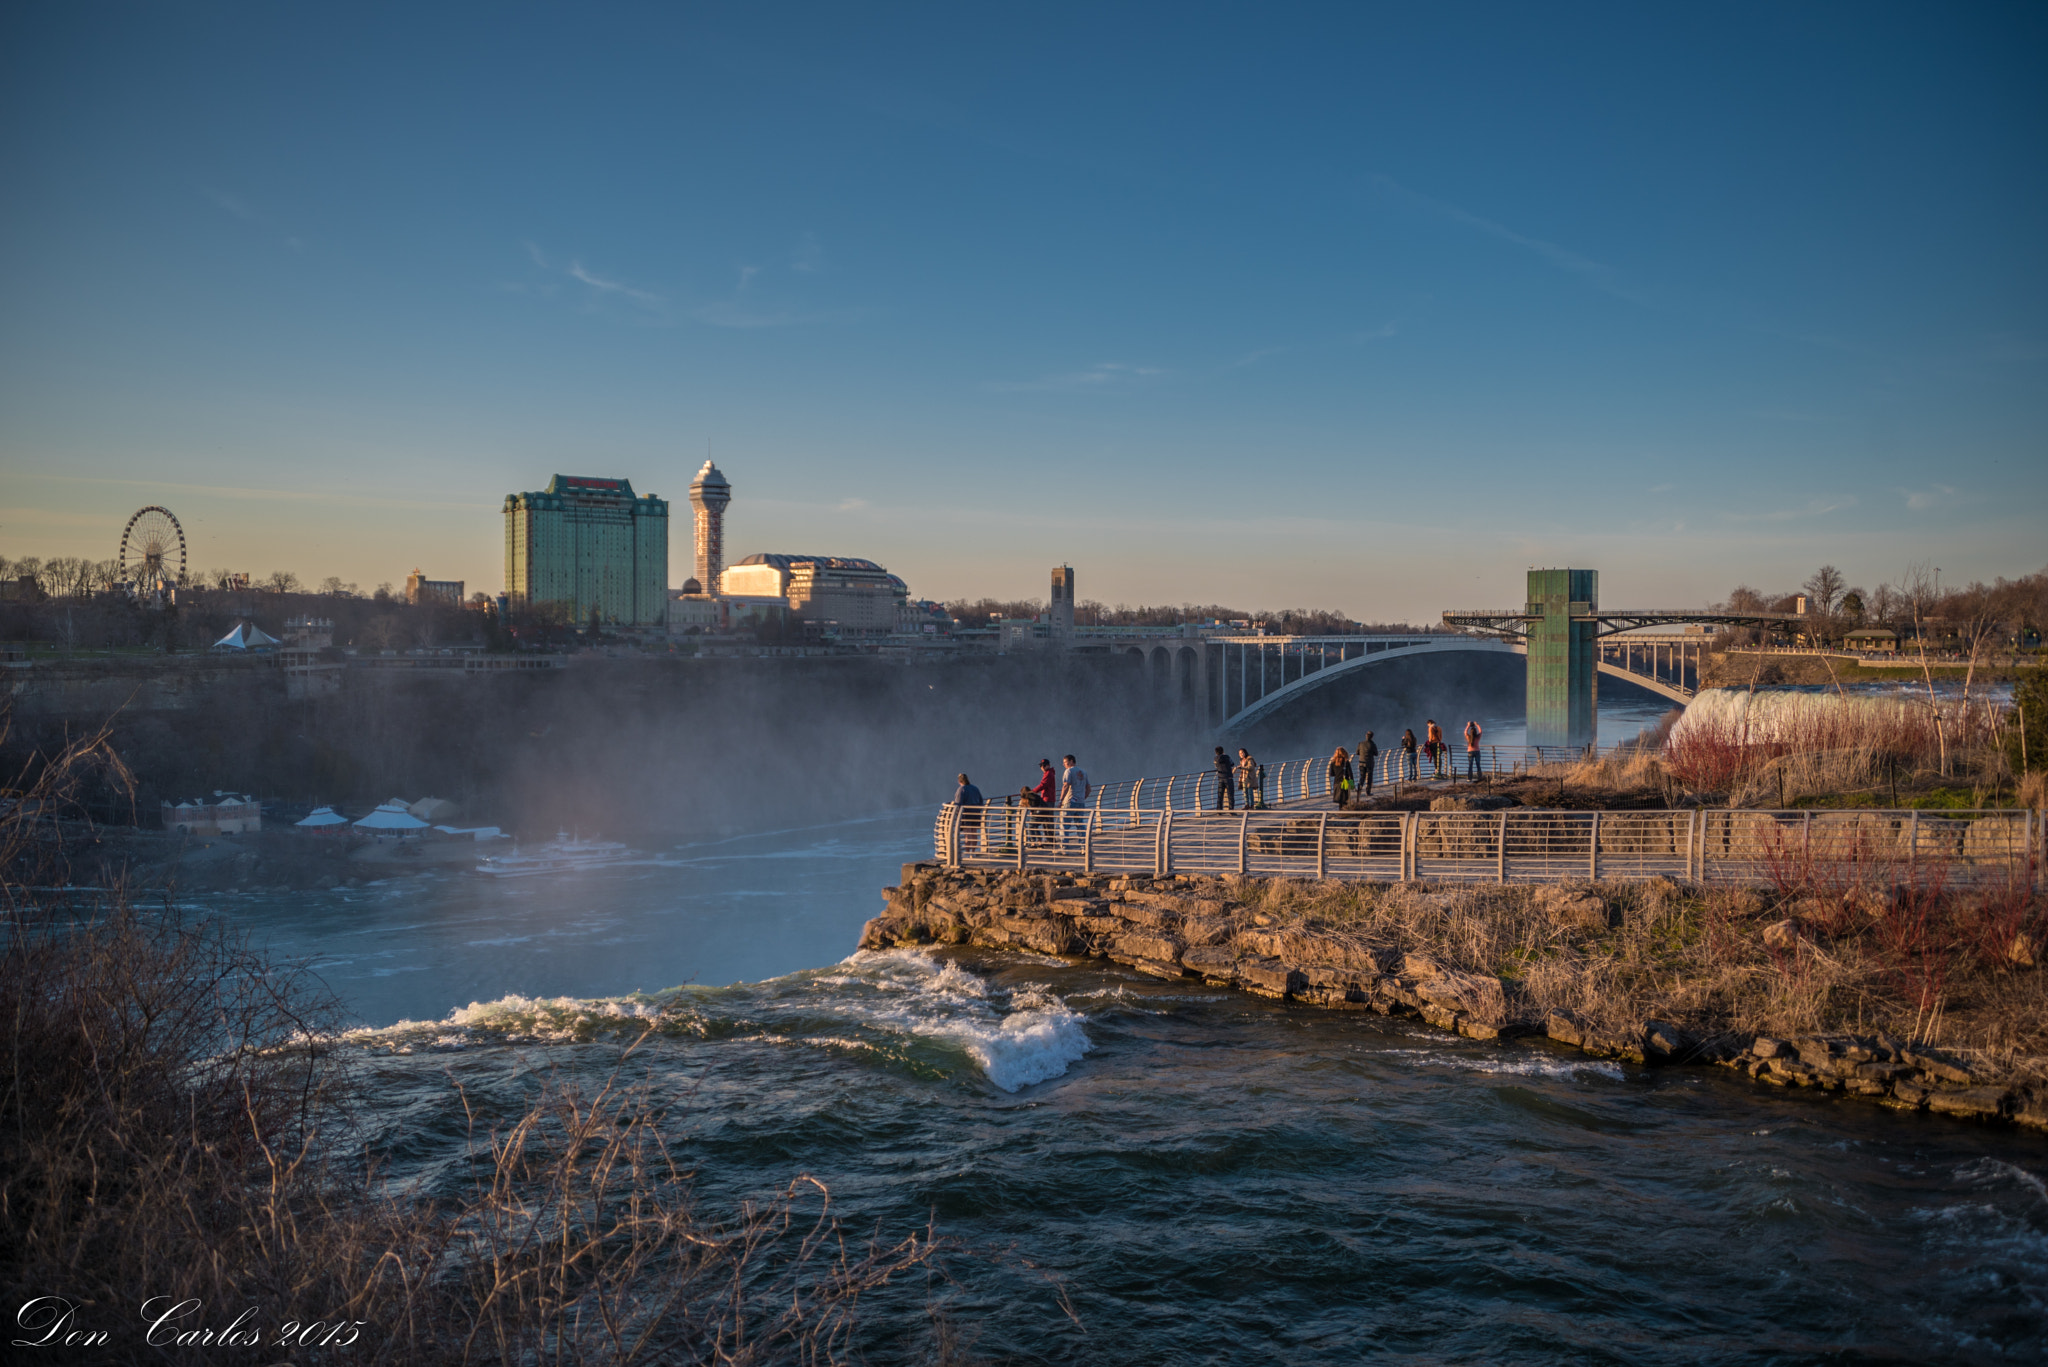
(1212, 1178)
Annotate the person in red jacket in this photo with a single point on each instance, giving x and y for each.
(1044, 795)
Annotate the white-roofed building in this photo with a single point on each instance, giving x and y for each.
(227, 814)
(391, 818)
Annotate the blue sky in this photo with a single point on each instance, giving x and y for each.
(1365, 307)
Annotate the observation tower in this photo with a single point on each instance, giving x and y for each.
(709, 493)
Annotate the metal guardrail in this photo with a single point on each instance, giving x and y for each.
(1298, 779)
(1514, 845)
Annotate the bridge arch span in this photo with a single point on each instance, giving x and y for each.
(1281, 697)
(1646, 683)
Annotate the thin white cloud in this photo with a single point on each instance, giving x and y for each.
(1097, 379)
(1922, 500)
(850, 505)
(1814, 508)
(739, 313)
(233, 204)
(1598, 274)
(597, 282)
(809, 257)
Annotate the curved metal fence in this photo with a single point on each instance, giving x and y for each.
(1296, 780)
(1521, 844)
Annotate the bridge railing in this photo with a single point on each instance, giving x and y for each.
(1526, 845)
(1298, 779)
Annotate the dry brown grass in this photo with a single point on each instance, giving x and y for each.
(1922, 962)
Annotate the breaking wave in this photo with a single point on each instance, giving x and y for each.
(873, 1001)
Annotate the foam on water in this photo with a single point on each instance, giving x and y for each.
(1015, 1039)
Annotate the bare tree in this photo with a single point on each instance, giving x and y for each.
(1824, 589)
(1917, 586)
(282, 581)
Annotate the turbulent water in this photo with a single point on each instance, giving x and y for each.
(1205, 1177)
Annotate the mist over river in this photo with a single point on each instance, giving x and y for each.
(1207, 1177)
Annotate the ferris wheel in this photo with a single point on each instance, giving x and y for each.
(153, 550)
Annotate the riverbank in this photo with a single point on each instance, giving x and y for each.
(1916, 999)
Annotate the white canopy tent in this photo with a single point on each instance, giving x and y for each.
(322, 818)
(247, 636)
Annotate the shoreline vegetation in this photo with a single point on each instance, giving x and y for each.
(182, 1141)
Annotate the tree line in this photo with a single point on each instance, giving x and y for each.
(1090, 613)
(1970, 616)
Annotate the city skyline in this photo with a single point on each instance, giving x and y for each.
(1365, 311)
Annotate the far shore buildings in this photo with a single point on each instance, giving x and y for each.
(843, 594)
(862, 597)
(587, 545)
(227, 814)
(420, 589)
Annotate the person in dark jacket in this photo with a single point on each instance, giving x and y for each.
(1368, 760)
(1226, 775)
(968, 802)
(1340, 778)
(1409, 768)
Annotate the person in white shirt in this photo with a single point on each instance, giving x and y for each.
(1073, 798)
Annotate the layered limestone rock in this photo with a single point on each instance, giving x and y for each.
(1186, 926)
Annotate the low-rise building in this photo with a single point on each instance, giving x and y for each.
(420, 589)
(858, 596)
(227, 814)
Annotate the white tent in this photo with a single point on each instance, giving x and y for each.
(322, 818)
(391, 816)
(435, 809)
(247, 636)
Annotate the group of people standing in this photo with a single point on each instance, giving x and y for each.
(1349, 783)
(1066, 789)
(1240, 781)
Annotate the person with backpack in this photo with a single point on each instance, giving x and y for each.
(1408, 765)
(1226, 781)
(1368, 759)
